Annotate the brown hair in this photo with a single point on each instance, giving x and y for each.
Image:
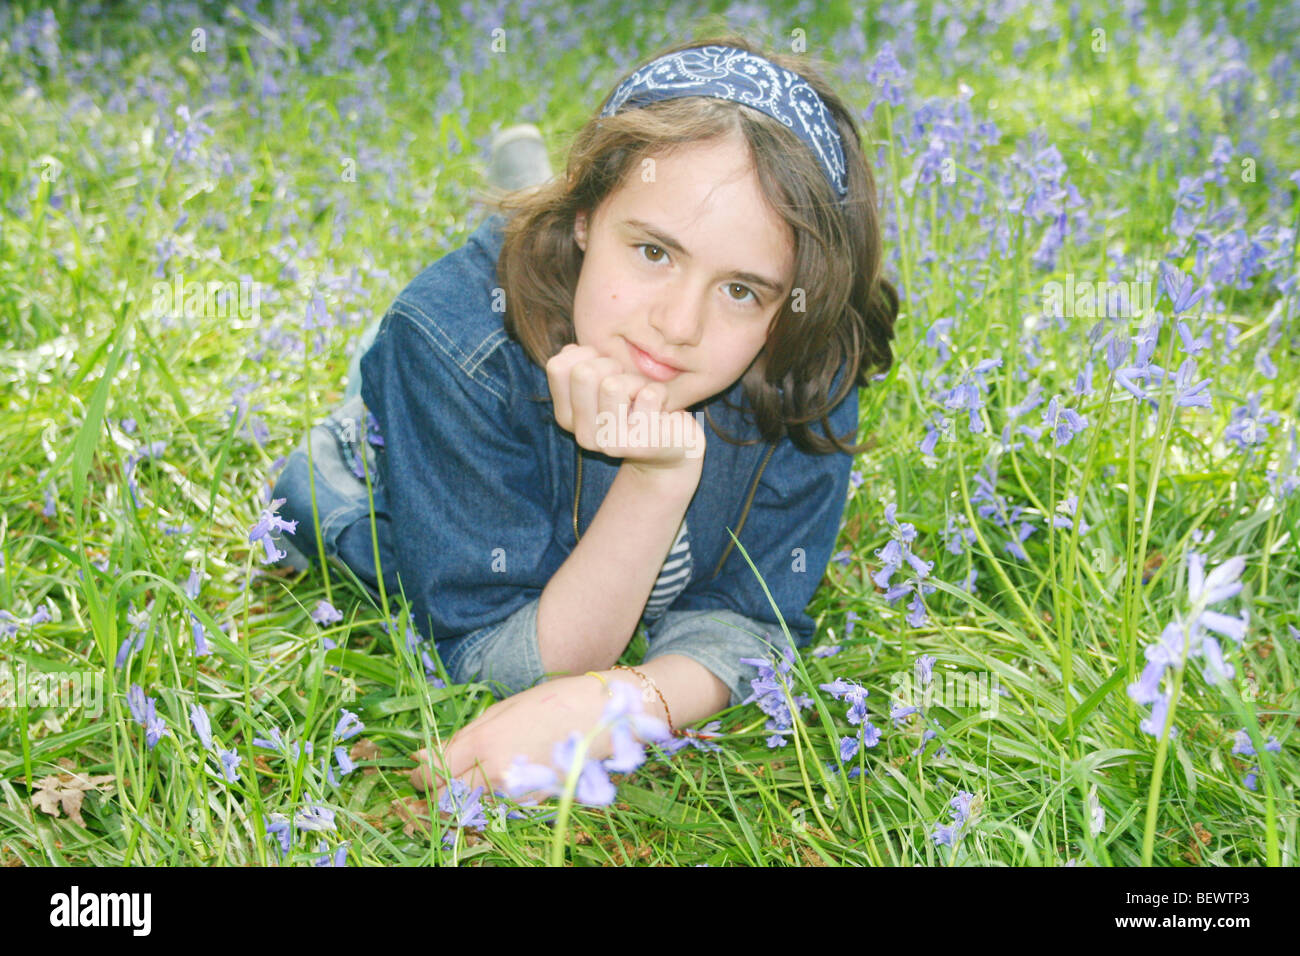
(848, 308)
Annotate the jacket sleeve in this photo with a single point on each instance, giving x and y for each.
(466, 494)
(789, 534)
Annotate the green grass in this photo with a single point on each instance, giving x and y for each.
(1062, 633)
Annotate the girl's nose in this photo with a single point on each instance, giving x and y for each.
(680, 318)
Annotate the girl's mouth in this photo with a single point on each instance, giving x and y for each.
(651, 367)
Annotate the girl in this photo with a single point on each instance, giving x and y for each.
(568, 417)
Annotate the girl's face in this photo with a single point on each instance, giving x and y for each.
(684, 268)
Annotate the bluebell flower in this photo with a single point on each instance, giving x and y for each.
(348, 726)
(315, 818)
(1147, 687)
(925, 668)
(276, 742)
(1216, 669)
(277, 828)
(339, 858)
(325, 613)
(1248, 426)
(345, 762)
(848, 748)
(230, 765)
(1192, 346)
(185, 142)
(1064, 422)
(144, 711)
(269, 522)
(1182, 290)
(961, 812)
(838, 687)
(1264, 363)
(826, 650)
(523, 776)
(1155, 724)
(134, 640)
(463, 804)
(884, 71)
(955, 536)
(899, 712)
(700, 740)
(927, 736)
(769, 692)
(1222, 583)
(944, 835)
(202, 726)
(199, 633)
(1242, 744)
(934, 429)
(857, 701)
(594, 787)
(961, 806)
(917, 616)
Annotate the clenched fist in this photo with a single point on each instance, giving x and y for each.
(621, 414)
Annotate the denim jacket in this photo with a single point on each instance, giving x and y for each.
(487, 494)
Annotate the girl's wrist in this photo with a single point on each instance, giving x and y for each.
(683, 477)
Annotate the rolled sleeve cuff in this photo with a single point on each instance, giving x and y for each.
(717, 639)
(504, 654)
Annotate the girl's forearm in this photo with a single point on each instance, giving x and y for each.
(589, 609)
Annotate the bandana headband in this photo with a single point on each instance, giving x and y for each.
(728, 73)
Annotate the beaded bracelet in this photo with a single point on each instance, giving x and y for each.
(647, 680)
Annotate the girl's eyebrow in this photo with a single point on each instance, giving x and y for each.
(668, 242)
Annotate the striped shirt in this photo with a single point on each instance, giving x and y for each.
(674, 576)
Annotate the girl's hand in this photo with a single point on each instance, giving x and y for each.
(530, 723)
(590, 394)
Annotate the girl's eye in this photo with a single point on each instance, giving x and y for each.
(647, 245)
(748, 291)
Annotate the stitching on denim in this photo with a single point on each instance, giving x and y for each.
(487, 347)
(437, 337)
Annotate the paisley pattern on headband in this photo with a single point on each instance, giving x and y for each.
(728, 73)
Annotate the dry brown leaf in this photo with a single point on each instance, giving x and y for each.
(365, 749)
(67, 791)
(411, 811)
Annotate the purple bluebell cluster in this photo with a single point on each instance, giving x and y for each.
(228, 759)
(10, 624)
(855, 696)
(950, 834)
(1187, 637)
(773, 693)
(144, 711)
(1241, 744)
(894, 555)
(312, 818)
